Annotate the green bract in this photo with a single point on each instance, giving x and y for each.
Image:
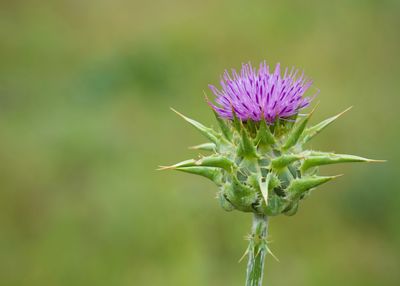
(260, 168)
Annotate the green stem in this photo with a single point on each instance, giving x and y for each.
(257, 250)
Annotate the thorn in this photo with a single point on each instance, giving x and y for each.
(195, 147)
(205, 96)
(162, 168)
(270, 252)
(244, 255)
(247, 237)
(258, 252)
(376, 161)
(177, 112)
(337, 176)
(314, 108)
(344, 111)
(241, 172)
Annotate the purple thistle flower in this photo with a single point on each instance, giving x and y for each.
(256, 95)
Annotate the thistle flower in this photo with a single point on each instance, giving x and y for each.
(258, 159)
(258, 94)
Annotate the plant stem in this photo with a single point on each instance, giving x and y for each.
(257, 250)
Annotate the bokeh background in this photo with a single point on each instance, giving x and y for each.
(85, 91)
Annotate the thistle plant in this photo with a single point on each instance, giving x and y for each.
(258, 158)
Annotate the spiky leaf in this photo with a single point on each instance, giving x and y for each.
(331, 158)
(309, 133)
(298, 186)
(246, 147)
(292, 209)
(224, 202)
(205, 147)
(264, 186)
(264, 135)
(296, 132)
(275, 206)
(216, 161)
(226, 131)
(209, 172)
(206, 131)
(186, 163)
(235, 121)
(284, 160)
(240, 195)
(210, 161)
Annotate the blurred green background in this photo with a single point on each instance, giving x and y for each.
(85, 91)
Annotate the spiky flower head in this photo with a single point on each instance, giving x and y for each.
(259, 165)
(258, 159)
(260, 94)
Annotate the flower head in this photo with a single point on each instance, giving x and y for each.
(260, 164)
(259, 94)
